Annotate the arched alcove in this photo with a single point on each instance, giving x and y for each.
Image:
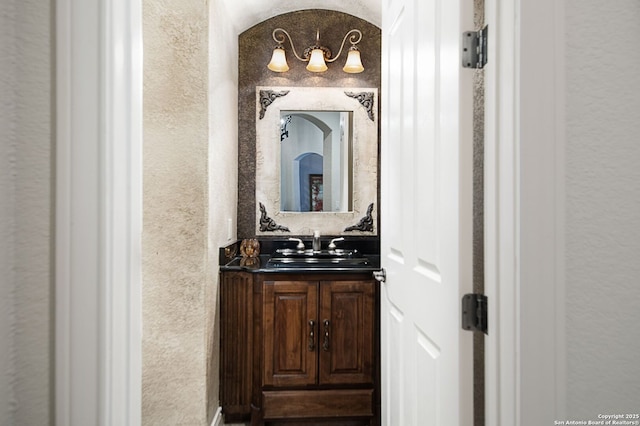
(255, 49)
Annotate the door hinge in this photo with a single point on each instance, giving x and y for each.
(474, 48)
(474, 312)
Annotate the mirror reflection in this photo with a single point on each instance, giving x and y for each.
(315, 161)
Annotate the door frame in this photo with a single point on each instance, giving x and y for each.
(524, 212)
(98, 212)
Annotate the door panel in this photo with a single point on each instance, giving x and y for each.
(346, 332)
(393, 381)
(289, 356)
(427, 357)
(426, 213)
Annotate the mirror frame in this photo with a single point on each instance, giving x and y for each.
(363, 103)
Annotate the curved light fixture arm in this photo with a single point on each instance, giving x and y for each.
(280, 40)
(356, 36)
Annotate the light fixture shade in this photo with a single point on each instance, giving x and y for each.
(353, 64)
(316, 62)
(278, 60)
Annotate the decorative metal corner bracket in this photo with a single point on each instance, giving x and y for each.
(266, 99)
(365, 224)
(267, 224)
(365, 99)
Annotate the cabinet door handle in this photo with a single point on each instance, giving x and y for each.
(312, 338)
(325, 344)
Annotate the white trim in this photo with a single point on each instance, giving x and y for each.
(524, 228)
(77, 214)
(500, 214)
(123, 190)
(217, 418)
(63, 218)
(541, 134)
(98, 212)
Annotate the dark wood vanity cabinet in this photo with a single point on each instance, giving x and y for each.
(236, 345)
(318, 333)
(314, 350)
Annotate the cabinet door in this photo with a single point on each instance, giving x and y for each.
(290, 333)
(346, 332)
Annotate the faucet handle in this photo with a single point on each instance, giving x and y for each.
(332, 244)
(300, 245)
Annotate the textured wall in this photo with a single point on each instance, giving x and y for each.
(256, 46)
(602, 207)
(25, 213)
(175, 221)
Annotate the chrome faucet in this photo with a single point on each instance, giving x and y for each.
(332, 244)
(300, 245)
(316, 241)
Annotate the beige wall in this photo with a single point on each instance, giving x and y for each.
(190, 194)
(26, 136)
(602, 227)
(175, 274)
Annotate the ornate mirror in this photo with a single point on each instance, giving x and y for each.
(316, 160)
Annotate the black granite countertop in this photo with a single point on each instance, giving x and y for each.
(367, 259)
(261, 265)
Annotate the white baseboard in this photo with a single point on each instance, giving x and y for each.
(217, 418)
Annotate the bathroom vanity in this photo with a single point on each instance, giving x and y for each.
(300, 332)
(300, 337)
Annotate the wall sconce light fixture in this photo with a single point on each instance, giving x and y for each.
(317, 55)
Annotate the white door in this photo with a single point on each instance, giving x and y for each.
(426, 213)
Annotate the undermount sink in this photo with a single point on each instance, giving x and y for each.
(291, 258)
(315, 262)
